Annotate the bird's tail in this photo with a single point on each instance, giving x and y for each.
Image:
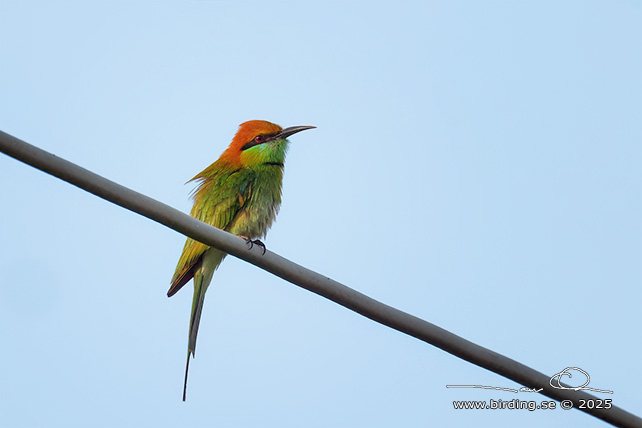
(195, 319)
(202, 278)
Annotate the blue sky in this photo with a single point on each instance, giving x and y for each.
(476, 164)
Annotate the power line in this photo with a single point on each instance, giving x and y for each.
(307, 279)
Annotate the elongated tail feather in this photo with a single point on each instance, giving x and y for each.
(195, 320)
(186, 370)
(210, 260)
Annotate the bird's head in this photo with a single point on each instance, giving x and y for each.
(259, 141)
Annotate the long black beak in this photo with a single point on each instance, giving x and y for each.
(285, 133)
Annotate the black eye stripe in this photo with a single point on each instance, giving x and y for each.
(264, 138)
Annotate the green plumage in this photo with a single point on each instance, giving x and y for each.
(243, 202)
(239, 193)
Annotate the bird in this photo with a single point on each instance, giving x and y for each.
(239, 193)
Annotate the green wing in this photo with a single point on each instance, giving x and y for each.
(217, 201)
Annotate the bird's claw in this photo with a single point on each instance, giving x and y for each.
(253, 242)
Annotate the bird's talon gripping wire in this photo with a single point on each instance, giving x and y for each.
(253, 242)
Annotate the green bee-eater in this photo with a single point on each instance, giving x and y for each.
(239, 193)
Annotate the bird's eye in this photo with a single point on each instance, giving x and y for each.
(259, 138)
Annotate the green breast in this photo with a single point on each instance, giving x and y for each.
(260, 198)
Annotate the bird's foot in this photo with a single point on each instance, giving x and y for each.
(254, 242)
